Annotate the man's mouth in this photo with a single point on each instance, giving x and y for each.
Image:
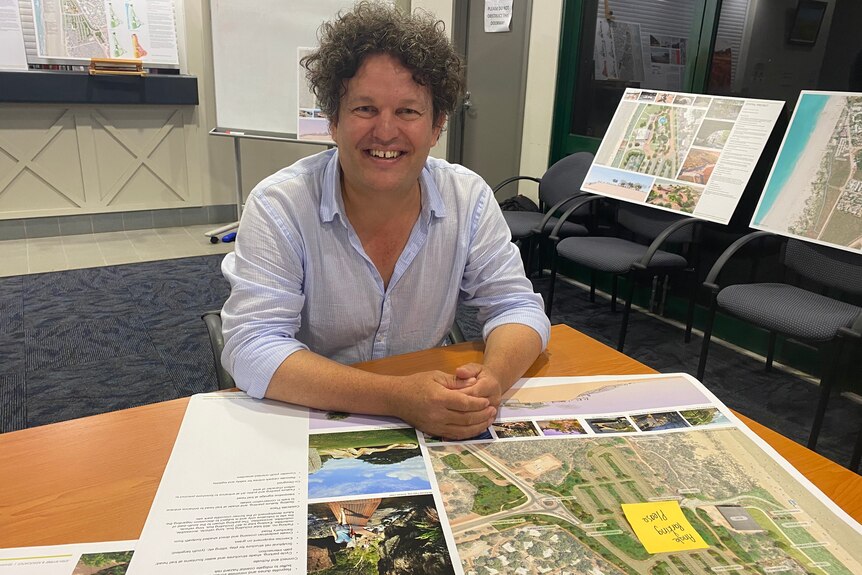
(385, 154)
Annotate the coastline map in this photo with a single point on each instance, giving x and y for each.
(814, 191)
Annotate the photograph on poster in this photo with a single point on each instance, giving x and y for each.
(365, 463)
(814, 191)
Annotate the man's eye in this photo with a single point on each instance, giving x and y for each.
(409, 113)
(364, 111)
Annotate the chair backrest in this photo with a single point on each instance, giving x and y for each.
(212, 319)
(825, 265)
(563, 179)
(648, 223)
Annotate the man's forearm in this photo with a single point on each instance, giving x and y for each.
(306, 378)
(510, 350)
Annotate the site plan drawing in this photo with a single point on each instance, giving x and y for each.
(814, 191)
(551, 503)
(128, 29)
(685, 153)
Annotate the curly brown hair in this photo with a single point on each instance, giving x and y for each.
(417, 40)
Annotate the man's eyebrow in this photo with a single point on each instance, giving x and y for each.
(368, 100)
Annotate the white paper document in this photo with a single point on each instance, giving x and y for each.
(12, 55)
(498, 15)
(233, 496)
(82, 558)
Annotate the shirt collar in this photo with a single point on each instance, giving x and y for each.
(332, 204)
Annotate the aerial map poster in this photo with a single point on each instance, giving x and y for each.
(814, 191)
(126, 29)
(611, 475)
(686, 153)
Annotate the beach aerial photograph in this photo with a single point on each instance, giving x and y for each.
(815, 188)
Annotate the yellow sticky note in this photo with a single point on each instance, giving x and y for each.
(661, 527)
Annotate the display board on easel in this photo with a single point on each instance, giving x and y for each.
(687, 153)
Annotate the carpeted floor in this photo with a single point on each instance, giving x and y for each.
(82, 342)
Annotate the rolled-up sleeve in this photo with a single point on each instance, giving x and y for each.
(261, 317)
(494, 279)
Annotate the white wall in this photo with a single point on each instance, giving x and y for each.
(98, 159)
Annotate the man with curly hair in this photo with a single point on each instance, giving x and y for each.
(365, 251)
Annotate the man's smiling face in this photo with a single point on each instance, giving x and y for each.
(385, 128)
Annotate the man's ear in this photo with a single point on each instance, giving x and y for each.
(439, 125)
(333, 128)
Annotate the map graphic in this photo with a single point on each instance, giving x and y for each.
(541, 505)
(685, 153)
(84, 29)
(71, 28)
(814, 191)
(657, 139)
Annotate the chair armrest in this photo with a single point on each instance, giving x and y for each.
(582, 201)
(719, 264)
(554, 209)
(508, 181)
(661, 238)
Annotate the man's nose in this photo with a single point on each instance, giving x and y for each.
(386, 127)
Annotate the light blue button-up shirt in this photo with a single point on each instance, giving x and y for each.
(300, 278)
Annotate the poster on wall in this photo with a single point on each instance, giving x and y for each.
(814, 191)
(12, 56)
(686, 153)
(618, 52)
(664, 61)
(311, 123)
(124, 29)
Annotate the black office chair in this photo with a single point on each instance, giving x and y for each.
(212, 319)
(633, 252)
(857, 450)
(784, 308)
(558, 186)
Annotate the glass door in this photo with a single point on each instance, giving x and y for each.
(610, 45)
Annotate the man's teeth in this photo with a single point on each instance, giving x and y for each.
(385, 153)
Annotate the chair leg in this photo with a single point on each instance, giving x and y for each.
(707, 335)
(770, 350)
(593, 286)
(626, 311)
(831, 356)
(527, 250)
(550, 301)
(614, 283)
(692, 300)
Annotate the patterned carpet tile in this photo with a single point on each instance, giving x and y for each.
(43, 312)
(59, 394)
(72, 342)
(13, 402)
(188, 358)
(12, 352)
(103, 280)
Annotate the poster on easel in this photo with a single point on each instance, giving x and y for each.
(687, 153)
(311, 123)
(814, 191)
(125, 29)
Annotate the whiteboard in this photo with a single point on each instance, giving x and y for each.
(255, 59)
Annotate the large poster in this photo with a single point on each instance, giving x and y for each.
(685, 153)
(814, 191)
(125, 29)
(602, 474)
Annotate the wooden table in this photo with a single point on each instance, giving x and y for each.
(93, 479)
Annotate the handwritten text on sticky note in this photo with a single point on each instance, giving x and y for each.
(661, 527)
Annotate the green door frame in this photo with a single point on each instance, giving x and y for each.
(570, 64)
